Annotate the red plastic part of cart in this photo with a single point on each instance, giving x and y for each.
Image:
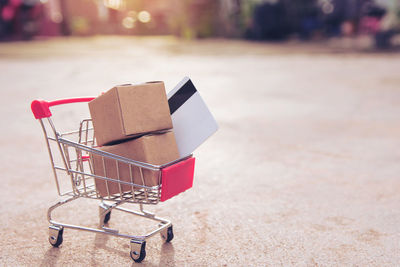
(41, 108)
(177, 178)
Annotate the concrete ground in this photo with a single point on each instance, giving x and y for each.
(304, 170)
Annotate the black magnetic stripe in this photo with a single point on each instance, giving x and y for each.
(181, 96)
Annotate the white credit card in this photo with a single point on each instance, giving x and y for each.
(192, 121)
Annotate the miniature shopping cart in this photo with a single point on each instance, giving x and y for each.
(71, 156)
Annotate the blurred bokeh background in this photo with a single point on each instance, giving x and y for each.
(249, 19)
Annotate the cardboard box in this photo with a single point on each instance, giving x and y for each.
(127, 111)
(155, 149)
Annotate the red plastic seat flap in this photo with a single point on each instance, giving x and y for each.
(177, 178)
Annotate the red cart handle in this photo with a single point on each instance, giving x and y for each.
(41, 108)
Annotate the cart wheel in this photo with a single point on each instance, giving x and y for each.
(107, 217)
(138, 250)
(56, 235)
(167, 235)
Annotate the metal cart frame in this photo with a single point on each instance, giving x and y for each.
(75, 169)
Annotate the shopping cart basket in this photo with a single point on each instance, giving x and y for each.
(71, 156)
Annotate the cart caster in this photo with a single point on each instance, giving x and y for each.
(104, 218)
(167, 234)
(56, 235)
(138, 250)
(107, 217)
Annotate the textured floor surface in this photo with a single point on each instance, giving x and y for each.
(304, 170)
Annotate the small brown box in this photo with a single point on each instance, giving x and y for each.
(126, 111)
(156, 149)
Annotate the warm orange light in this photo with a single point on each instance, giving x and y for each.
(115, 4)
(128, 22)
(56, 17)
(144, 16)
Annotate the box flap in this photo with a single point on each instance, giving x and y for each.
(106, 116)
(144, 108)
